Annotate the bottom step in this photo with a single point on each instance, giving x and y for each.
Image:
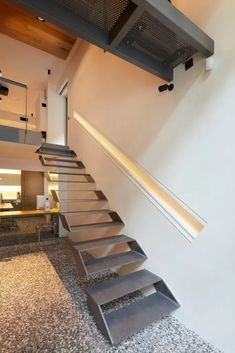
(136, 316)
(130, 318)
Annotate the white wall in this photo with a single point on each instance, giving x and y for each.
(184, 138)
(41, 112)
(56, 116)
(23, 63)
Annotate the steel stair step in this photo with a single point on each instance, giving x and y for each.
(76, 228)
(99, 194)
(74, 187)
(101, 242)
(53, 162)
(84, 213)
(88, 177)
(72, 181)
(116, 260)
(54, 146)
(83, 200)
(73, 201)
(56, 152)
(108, 291)
(134, 317)
(67, 173)
(74, 207)
(115, 221)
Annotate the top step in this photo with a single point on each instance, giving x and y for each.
(55, 150)
(54, 146)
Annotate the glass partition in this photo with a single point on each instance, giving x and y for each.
(14, 105)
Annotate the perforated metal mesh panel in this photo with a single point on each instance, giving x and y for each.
(150, 36)
(102, 13)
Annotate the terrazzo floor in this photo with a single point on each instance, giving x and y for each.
(43, 309)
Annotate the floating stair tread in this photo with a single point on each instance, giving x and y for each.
(54, 146)
(75, 228)
(98, 193)
(48, 162)
(69, 209)
(67, 173)
(88, 177)
(77, 165)
(55, 152)
(50, 159)
(82, 200)
(107, 291)
(107, 262)
(75, 190)
(136, 316)
(75, 182)
(84, 213)
(101, 242)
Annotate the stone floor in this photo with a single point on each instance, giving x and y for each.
(22, 238)
(43, 309)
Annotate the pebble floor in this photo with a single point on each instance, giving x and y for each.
(43, 309)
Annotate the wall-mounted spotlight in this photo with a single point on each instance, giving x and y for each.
(40, 19)
(22, 118)
(0, 99)
(0, 73)
(166, 87)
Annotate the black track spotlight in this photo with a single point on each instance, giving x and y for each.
(171, 87)
(163, 88)
(23, 118)
(166, 87)
(40, 19)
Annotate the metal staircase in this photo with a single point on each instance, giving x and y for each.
(94, 228)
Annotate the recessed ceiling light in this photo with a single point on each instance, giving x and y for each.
(40, 19)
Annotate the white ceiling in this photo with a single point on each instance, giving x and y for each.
(26, 64)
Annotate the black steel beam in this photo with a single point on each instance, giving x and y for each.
(175, 20)
(126, 21)
(144, 61)
(64, 18)
(113, 42)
